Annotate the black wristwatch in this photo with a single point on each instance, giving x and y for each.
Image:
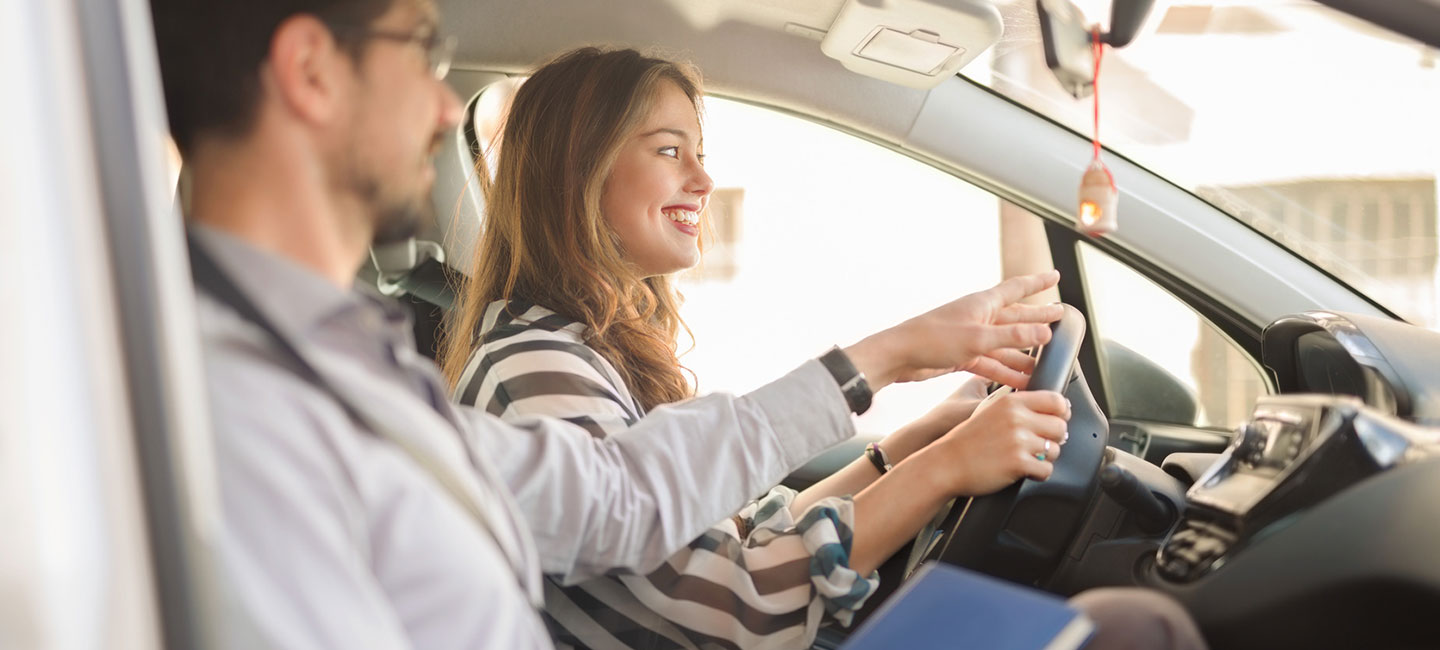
(852, 382)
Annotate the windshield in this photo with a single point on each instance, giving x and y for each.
(1316, 128)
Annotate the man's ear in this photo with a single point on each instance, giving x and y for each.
(308, 71)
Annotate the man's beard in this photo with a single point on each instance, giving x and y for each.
(400, 220)
(396, 217)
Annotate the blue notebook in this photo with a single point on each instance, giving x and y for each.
(942, 606)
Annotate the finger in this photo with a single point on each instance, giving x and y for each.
(1014, 359)
(1048, 449)
(1045, 401)
(1023, 313)
(1048, 427)
(1038, 470)
(993, 370)
(984, 339)
(1021, 286)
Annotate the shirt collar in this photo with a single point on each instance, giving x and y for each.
(524, 313)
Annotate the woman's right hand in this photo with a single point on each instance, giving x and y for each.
(992, 449)
(1000, 443)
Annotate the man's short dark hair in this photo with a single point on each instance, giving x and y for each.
(211, 52)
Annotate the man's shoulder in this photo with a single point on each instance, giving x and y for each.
(250, 380)
(231, 344)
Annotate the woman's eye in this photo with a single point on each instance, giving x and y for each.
(673, 152)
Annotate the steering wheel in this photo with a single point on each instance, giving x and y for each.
(1021, 532)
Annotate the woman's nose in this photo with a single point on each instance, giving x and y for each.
(700, 183)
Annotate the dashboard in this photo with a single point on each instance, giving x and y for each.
(1294, 452)
(1390, 366)
(1315, 528)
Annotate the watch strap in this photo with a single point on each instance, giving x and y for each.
(877, 457)
(851, 381)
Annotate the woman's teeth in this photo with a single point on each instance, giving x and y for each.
(684, 216)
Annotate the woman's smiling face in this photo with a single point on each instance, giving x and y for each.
(658, 187)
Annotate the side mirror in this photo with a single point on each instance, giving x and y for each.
(1068, 40)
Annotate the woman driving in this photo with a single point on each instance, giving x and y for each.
(599, 197)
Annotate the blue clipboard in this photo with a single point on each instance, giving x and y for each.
(943, 606)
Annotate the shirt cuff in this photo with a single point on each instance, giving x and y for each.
(826, 532)
(807, 412)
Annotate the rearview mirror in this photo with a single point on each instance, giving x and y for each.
(1068, 51)
(1068, 41)
(1126, 18)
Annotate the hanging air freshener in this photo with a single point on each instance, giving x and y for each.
(1098, 197)
(1098, 194)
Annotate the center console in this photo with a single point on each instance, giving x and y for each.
(1294, 452)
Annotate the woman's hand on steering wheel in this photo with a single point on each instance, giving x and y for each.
(1012, 437)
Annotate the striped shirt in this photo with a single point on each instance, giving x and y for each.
(770, 586)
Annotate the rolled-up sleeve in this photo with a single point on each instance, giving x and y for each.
(631, 500)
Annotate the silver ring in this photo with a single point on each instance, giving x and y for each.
(1043, 452)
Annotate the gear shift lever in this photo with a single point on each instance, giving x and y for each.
(1152, 513)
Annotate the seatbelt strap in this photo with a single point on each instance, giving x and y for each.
(211, 279)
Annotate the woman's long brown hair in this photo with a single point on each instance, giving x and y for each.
(545, 240)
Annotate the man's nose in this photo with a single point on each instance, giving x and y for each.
(451, 110)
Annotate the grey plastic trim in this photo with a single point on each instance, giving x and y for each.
(157, 325)
(736, 46)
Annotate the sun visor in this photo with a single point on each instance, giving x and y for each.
(915, 43)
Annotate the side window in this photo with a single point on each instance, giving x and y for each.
(820, 238)
(1162, 361)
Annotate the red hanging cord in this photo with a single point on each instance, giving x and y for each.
(1098, 48)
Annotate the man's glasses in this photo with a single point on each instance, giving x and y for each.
(439, 50)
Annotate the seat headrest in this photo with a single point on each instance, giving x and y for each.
(459, 201)
(457, 196)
